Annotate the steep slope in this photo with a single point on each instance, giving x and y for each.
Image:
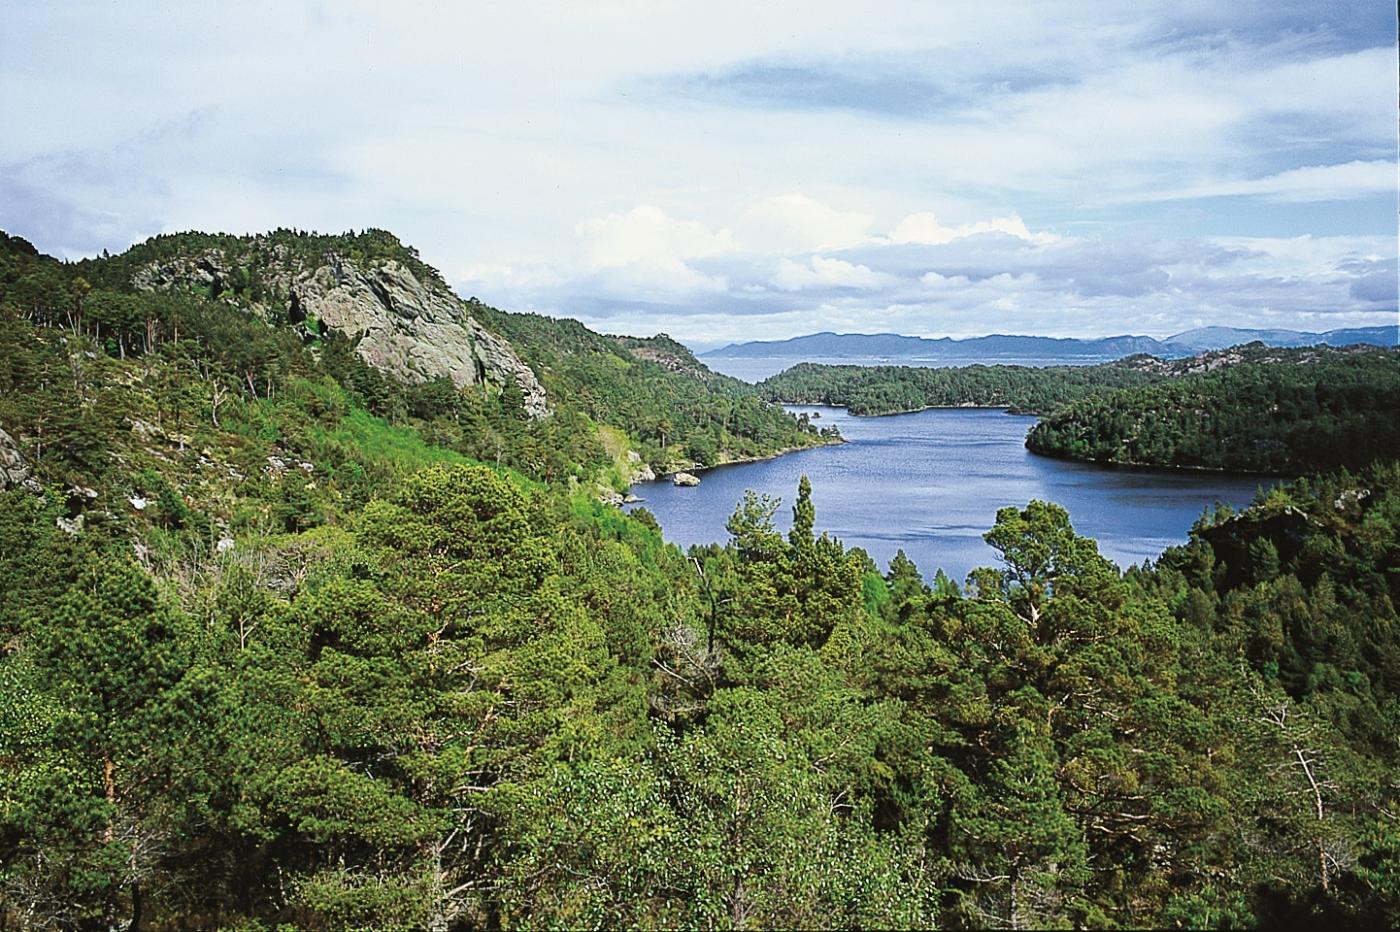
(206, 361)
(371, 288)
(682, 413)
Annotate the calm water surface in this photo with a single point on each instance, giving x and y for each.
(931, 483)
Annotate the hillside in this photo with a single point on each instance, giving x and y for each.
(874, 390)
(286, 338)
(682, 413)
(894, 346)
(1253, 409)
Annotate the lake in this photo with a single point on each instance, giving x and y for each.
(931, 483)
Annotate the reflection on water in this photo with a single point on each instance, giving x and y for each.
(931, 483)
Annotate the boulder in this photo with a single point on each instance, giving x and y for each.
(685, 479)
(13, 469)
(641, 472)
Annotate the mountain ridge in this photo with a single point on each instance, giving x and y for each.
(1186, 343)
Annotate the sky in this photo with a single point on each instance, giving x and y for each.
(732, 171)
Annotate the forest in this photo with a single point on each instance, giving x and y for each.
(875, 390)
(1335, 409)
(287, 642)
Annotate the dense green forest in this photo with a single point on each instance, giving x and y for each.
(287, 641)
(682, 412)
(873, 390)
(1327, 410)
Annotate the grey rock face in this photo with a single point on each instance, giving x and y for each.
(13, 469)
(409, 328)
(685, 479)
(641, 472)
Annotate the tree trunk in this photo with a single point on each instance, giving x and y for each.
(109, 785)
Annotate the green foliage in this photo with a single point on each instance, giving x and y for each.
(1316, 411)
(872, 390)
(330, 651)
(682, 414)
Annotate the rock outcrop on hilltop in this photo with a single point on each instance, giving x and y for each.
(407, 325)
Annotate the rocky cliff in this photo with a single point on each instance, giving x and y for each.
(408, 323)
(13, 469)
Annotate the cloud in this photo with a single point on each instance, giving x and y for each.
(797, 223)
(821, 272)
(985, 275)
(648, 166)
(1378, 287)
(815, 86)
(1348, 181)
(646, 235)
(923, 227)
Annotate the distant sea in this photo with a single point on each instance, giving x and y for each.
(756, 369)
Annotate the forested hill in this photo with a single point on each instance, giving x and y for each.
(231, 324)
(874, 390)
(1294, 412)
(684, 413)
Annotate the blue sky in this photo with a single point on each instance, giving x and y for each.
(729, 171)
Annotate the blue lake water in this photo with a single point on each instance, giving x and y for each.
(931, 483)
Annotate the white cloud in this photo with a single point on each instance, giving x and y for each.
(791, 223)
(540, 150)
(1347, 181)
(662, 279)
(923, 227)
(822, 272)
(646, 235)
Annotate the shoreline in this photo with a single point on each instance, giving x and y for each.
(1091, 461)
(1088, 461)
(1168, 467)
(832, 442)
(739, 461)
(965, 407)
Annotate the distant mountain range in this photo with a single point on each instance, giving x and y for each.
(1004, 346)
